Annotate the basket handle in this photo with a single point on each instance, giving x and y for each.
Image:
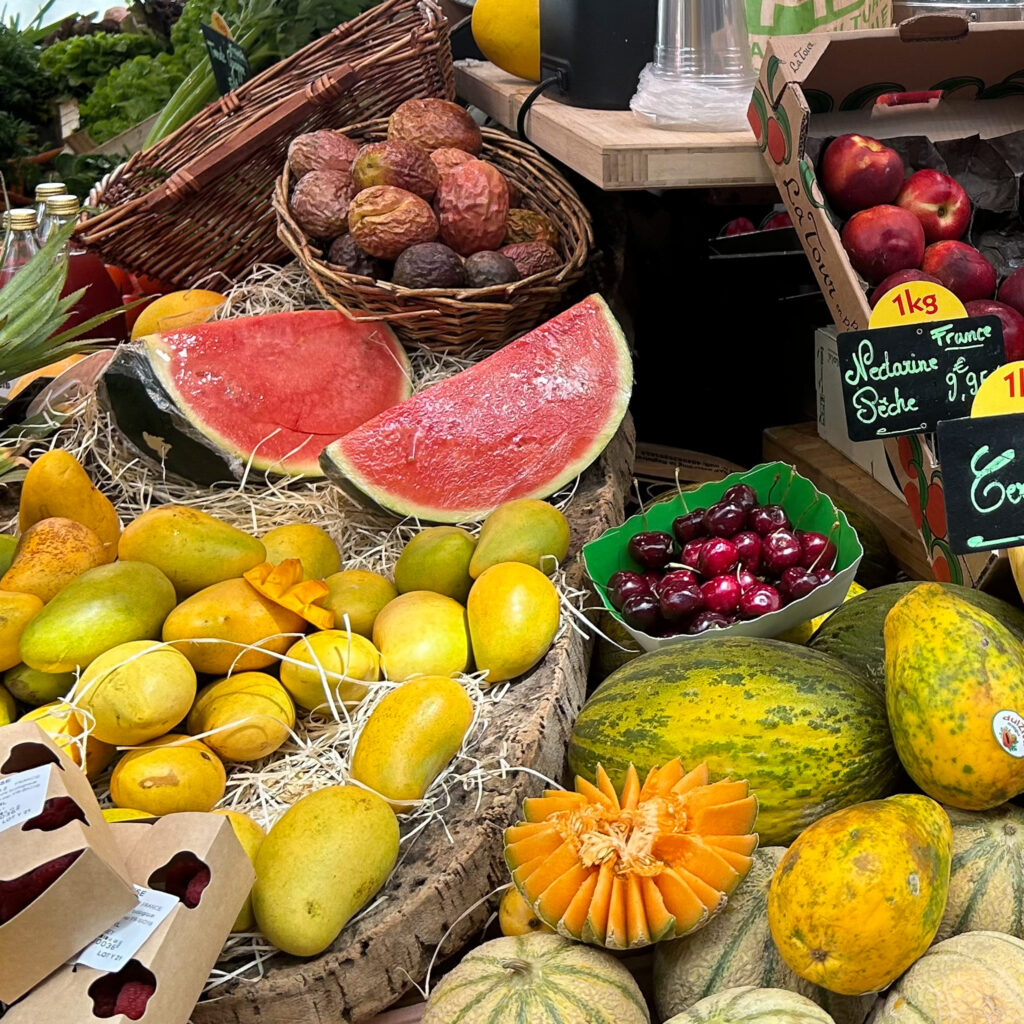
(237, 148)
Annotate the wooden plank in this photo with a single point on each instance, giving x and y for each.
(613, 148)
(832, 472)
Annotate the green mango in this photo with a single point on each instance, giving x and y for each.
(437, 559)
(528, 531)
(36, 688)
(104, 607)
(8, 542)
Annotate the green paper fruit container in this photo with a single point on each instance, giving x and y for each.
(774, 483)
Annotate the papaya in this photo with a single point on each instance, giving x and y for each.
(954, 687)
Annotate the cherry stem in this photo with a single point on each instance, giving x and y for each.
(832, 529)
(679, 491)
(800, 518)
(771, 490)
(640, 502)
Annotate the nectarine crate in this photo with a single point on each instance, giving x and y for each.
(450, 319)
(198, 202)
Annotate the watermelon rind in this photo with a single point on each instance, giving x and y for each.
(376, 495)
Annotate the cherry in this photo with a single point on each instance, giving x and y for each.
(689, 526)
(759, 600)
(746, 579)
(703, 621)
(691, 551)
(681, 601)
(818, 552)
(724, 519)
(742, 495)
(722, 594)
(625, 584)
(797, 582)
(675, 578)
(780, 550)
(652, 549)
(765, 518)
(825, 575)
(643, 612)
(718, 556)
(748, 547)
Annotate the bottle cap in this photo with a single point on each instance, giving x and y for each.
(23, 220)
(62, 206)
(50, 188)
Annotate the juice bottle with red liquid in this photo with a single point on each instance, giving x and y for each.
(86, 270)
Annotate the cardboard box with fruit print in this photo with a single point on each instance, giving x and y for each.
(943, 107)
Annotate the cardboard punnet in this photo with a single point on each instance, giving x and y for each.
(182, 950)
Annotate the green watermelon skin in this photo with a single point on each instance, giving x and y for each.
(521, 423)
(853, 633)
(808, 734)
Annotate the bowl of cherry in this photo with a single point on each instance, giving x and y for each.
(727, 557)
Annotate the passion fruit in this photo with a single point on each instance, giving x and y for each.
(435, 124)
(385, 221)
(532, 257)
(446, 158)
(399, 163)
(320, 203)
(530, 226)
(486, 269)
(472, 207)
(321, 151)
(344, 253)
(429, 265)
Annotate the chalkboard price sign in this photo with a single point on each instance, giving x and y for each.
(903, 380)
(983, 481)
(230, 65)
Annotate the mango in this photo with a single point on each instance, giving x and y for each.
(36, 688)
(114, 814)
(136, 692)
(8, 545)
(164, 778)
(104, 607)
(526, 530)
(310, 544)
(325, 859)
(192, 549)
(249, 715)
(360, 595)
(50, 555)
(517, 917)
(56, 485)
(16, 612)
(343, 658)
(8, 709)
(234, 613)
(410, 737)
(437, 559)
(251, 836)
(66, 729)
(513, 614)
(422, 633)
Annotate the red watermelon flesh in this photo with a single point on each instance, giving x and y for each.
(280, 387)
(519, 424)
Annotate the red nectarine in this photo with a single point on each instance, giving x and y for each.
(961, 268)
(1011, 291)
(900, 277)
(939, 203)
(858, 172)
(882, 240)
(1012, 321)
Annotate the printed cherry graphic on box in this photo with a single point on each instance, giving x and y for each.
(126, 992)
(184, 876)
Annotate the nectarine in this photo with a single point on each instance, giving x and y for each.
(858, 172)
(882, 240)
(961, 268)
(939, 203)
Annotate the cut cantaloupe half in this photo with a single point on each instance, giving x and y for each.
(283, 584)
(624, 870)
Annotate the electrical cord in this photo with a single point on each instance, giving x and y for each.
(555, 79)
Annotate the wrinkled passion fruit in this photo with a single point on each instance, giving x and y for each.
(344, 253)
(384, 220)
(446, 158)
(530, 226)
(320, 203)
(472, 207)
(532, 257)
(321, 151)
(486, 269)
(399, 163)
(435, 124)
(429, 265)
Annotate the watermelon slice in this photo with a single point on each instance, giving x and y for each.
(519, 424)
(276, 388)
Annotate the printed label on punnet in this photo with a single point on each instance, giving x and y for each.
(118, 944)
(22, 796)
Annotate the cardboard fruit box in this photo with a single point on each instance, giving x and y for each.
(815, 87)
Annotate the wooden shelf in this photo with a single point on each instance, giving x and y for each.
(832, 472)
(613, 148)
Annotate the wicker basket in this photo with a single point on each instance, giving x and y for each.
(450, 319)
(197, 203)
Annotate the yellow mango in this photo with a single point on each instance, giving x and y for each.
(136, 692)
(36, 688)
(162, 778)
(360, 595)
(343, 658)
(8, 545)
(410, 737)
(104, 607)
(859, 895)
(422, 634)
(50, 555)
(192, 549)
(8, 709)
(234, 613)
(321, 862)
(513, 617)
(115, 814)
(251, 836)
(56, 485)
(310, 544)
(437, 559)
(249, 715)
(16, 612)
(65, 728)
(954, 689)
(526, 530)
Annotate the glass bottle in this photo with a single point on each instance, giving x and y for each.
(44, 190)
(20, 242)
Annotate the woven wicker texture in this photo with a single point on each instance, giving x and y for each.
(451, 319)
(364, 68)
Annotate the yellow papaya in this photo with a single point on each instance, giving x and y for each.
(954, 689)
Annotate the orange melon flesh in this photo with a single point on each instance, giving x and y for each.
(626, 869)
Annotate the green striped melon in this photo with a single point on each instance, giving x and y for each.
(986, 881)
(749, 1005)
(974, 978)
(537, 979)
(808, 734)
(736, 949)
(853, 632)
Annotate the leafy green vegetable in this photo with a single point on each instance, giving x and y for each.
(78, 63)
(25, 94)
(129, 94)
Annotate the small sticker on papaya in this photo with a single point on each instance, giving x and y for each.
(1008, 729)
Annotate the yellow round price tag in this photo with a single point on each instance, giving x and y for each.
(915, 302)
(1001, 392)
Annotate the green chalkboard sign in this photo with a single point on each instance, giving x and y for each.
(230, 65)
